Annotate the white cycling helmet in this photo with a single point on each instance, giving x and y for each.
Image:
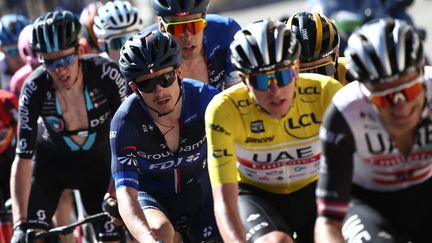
(116, 18)
(383, 50)
(264, 45)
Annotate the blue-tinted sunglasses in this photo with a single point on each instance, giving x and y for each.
(12, 51)
(65, 61)
(262, 81)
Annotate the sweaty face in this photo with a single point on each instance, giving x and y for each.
(191, 44)
(404, 114)
(62, 66)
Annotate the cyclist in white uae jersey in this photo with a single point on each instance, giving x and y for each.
(377, 148)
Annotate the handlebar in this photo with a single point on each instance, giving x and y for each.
(32, 235)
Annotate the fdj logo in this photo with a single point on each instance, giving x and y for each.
(304, 120)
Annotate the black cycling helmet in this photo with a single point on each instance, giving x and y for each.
(148, 52)
(11, 26)
(55, 31)
(383, 50)
(264, 45)
(165, 8)
(317, 34)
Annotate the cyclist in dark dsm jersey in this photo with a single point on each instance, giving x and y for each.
(65, 109)
(376, 166)
(158, 144)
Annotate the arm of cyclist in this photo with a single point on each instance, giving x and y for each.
(20, 191)
(328, 230)
(20, 188)
(222, 165)
(133, 216)
(110, 205)
(334, 184)
(227, 213)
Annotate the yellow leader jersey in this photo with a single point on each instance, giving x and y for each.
(246, 145)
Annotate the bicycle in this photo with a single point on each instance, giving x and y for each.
(52, 234)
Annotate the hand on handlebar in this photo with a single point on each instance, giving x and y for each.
(110, 206)
(19, 233)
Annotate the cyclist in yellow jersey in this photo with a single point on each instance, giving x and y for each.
(262, 138)
(319, 40)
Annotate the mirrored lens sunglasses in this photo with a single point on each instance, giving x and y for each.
(149, 85)
(177, 29)
(262, 81)
(407, 92)
(64, 62)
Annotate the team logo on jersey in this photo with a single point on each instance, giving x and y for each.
(354, 230)
(295, 127)
(41, 214)
(55, 123)
(244, 103)
(219, 128)
(147, 128)
(257, 126)
(129, 159)
(253, 217)
(207, 231)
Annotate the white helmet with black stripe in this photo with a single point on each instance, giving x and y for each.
(264, 45)
(383, 50)
(116, 18)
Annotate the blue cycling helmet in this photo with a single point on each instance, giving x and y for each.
(10, 28)
(148, 52)
(383, 50)
(165, 8)
(55, 31)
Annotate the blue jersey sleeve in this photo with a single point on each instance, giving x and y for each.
(124, 164)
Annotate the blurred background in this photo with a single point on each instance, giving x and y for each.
(244, 11)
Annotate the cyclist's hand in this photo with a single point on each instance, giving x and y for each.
(19, 234)
(110, 206)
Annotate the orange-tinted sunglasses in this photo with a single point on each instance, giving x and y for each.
(177, 29)
(390, 97)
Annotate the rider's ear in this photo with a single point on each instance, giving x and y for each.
(179, 71)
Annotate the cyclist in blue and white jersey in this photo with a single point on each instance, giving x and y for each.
(204, 40)
(158, 144)
(64, 112)
(376, 166)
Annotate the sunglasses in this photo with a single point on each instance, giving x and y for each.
(390, 97)
(11, 51)
(149, 85)
(328, 69)
(262, 81)
(117, 42)
(177, 29)
(65, 61)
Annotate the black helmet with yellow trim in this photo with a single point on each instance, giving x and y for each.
(317, 34)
